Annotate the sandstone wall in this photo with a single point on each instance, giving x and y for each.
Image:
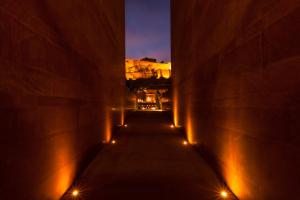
(236, 77)
(61, 90)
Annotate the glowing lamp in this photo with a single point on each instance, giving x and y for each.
(113, 141)
(75, 193)
(125, 125)
(223, 194)
(185, 143)
(172, 126)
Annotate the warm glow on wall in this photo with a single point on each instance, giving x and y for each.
(234, 177)
(189, 118)
(189, 130)
(108, 125)
(175, 107)
(65, 178)
(122, 120)
(122, 108)
(63, 161)
(234, 174)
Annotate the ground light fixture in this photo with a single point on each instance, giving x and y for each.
(75, 193)
(223, 194)
(125, 125)
(172, 126)
(113, 141)
(185, 143)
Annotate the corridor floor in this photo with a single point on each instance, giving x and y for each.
(148, 161)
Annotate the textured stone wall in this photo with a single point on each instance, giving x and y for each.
(61, 90)
(236, 77)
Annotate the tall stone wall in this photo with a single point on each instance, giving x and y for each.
(236, 86)
(61, 90)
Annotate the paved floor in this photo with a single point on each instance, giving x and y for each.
(148, 161)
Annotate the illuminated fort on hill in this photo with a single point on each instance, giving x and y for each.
(147, 68)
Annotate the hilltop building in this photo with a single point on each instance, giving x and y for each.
(147, 68)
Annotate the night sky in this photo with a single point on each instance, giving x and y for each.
(148, 29)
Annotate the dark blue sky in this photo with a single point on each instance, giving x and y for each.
(148, 29)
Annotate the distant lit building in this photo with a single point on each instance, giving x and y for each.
(150, 99)
(147, 68)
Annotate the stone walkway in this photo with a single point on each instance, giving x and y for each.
(148, 162)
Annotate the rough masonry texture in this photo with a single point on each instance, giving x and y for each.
(236, 78)
(61, 75)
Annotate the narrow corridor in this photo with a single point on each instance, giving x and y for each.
(67, 79)
(148, 161)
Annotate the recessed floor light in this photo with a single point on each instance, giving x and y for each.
(223, 194)
(75, 193)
